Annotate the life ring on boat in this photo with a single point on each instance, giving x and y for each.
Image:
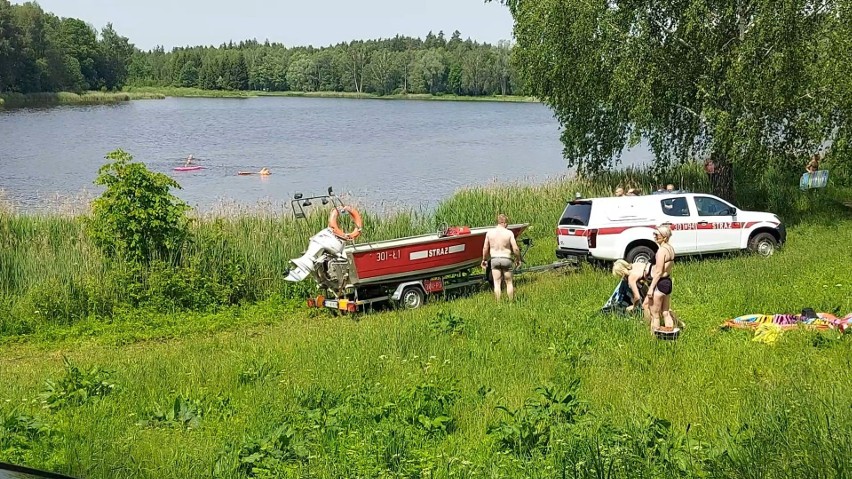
(356, 217)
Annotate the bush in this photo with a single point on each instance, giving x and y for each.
(137, 217)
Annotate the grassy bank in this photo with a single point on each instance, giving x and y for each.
(197, 92)
(13, 100)
(420, 393)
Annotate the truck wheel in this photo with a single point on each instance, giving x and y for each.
(763, 244)
(640, 254)
(412, 297)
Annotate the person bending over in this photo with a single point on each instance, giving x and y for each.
(638, 276)
(500, 245)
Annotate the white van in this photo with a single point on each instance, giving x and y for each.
(621, 227)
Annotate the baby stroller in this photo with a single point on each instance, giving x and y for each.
(622, 297)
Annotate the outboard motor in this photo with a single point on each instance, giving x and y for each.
(321, 244)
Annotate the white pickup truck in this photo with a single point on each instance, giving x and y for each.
(621, 227)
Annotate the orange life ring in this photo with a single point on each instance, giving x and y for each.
(356, 217)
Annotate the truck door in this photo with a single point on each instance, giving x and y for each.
(718, 229)
(681, 220)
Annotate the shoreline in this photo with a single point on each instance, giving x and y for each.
(23, 100)
(199, 93)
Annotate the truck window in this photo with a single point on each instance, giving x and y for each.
(675, 206)
(707, 206)
(576, 214)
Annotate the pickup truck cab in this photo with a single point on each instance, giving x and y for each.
(610, 228)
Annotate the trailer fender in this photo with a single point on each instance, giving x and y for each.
(397, 294)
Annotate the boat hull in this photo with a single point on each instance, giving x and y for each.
(417, 257)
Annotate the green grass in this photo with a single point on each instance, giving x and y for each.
(347, 387)
(67, 98)
(201, 393)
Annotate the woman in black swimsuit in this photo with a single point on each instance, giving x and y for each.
(660, 290)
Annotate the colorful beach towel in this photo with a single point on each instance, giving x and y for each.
(822, 321)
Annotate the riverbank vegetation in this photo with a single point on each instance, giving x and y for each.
(107, 371)
(13, 100)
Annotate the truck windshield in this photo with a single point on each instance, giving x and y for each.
(576, 214)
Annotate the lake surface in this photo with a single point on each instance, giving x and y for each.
(391, 153)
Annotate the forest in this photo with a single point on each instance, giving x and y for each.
(40, 52)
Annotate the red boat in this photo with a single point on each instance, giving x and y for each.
(386, 269)
(436, 254)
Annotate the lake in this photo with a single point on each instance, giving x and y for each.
(384, 153)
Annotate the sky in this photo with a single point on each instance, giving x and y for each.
(172, 23)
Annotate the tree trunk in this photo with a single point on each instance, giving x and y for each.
(721, 177)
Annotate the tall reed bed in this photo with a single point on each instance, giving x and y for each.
(63, 98)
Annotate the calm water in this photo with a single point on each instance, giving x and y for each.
(395, 153)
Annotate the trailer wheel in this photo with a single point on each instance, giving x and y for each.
(412, 297)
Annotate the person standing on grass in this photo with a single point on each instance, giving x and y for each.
(501, 246)
(660, 290)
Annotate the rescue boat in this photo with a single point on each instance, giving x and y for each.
(336, 262)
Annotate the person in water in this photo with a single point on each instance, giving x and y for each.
(660, 290)
(619, 191)
(264, 171)
(500, 245)
(638, 277)
(188, 160)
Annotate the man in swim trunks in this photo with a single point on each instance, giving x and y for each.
(501, 246)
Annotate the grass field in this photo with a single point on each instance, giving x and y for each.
(464, 387)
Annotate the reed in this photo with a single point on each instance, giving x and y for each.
(62, 98)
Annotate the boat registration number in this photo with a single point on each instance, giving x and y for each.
(388, 255)
(433, 285)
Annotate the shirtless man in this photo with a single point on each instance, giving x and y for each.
(500, 245)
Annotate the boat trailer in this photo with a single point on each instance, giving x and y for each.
(413, 294)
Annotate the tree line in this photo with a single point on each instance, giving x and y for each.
(40, 52)
(402, 64)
